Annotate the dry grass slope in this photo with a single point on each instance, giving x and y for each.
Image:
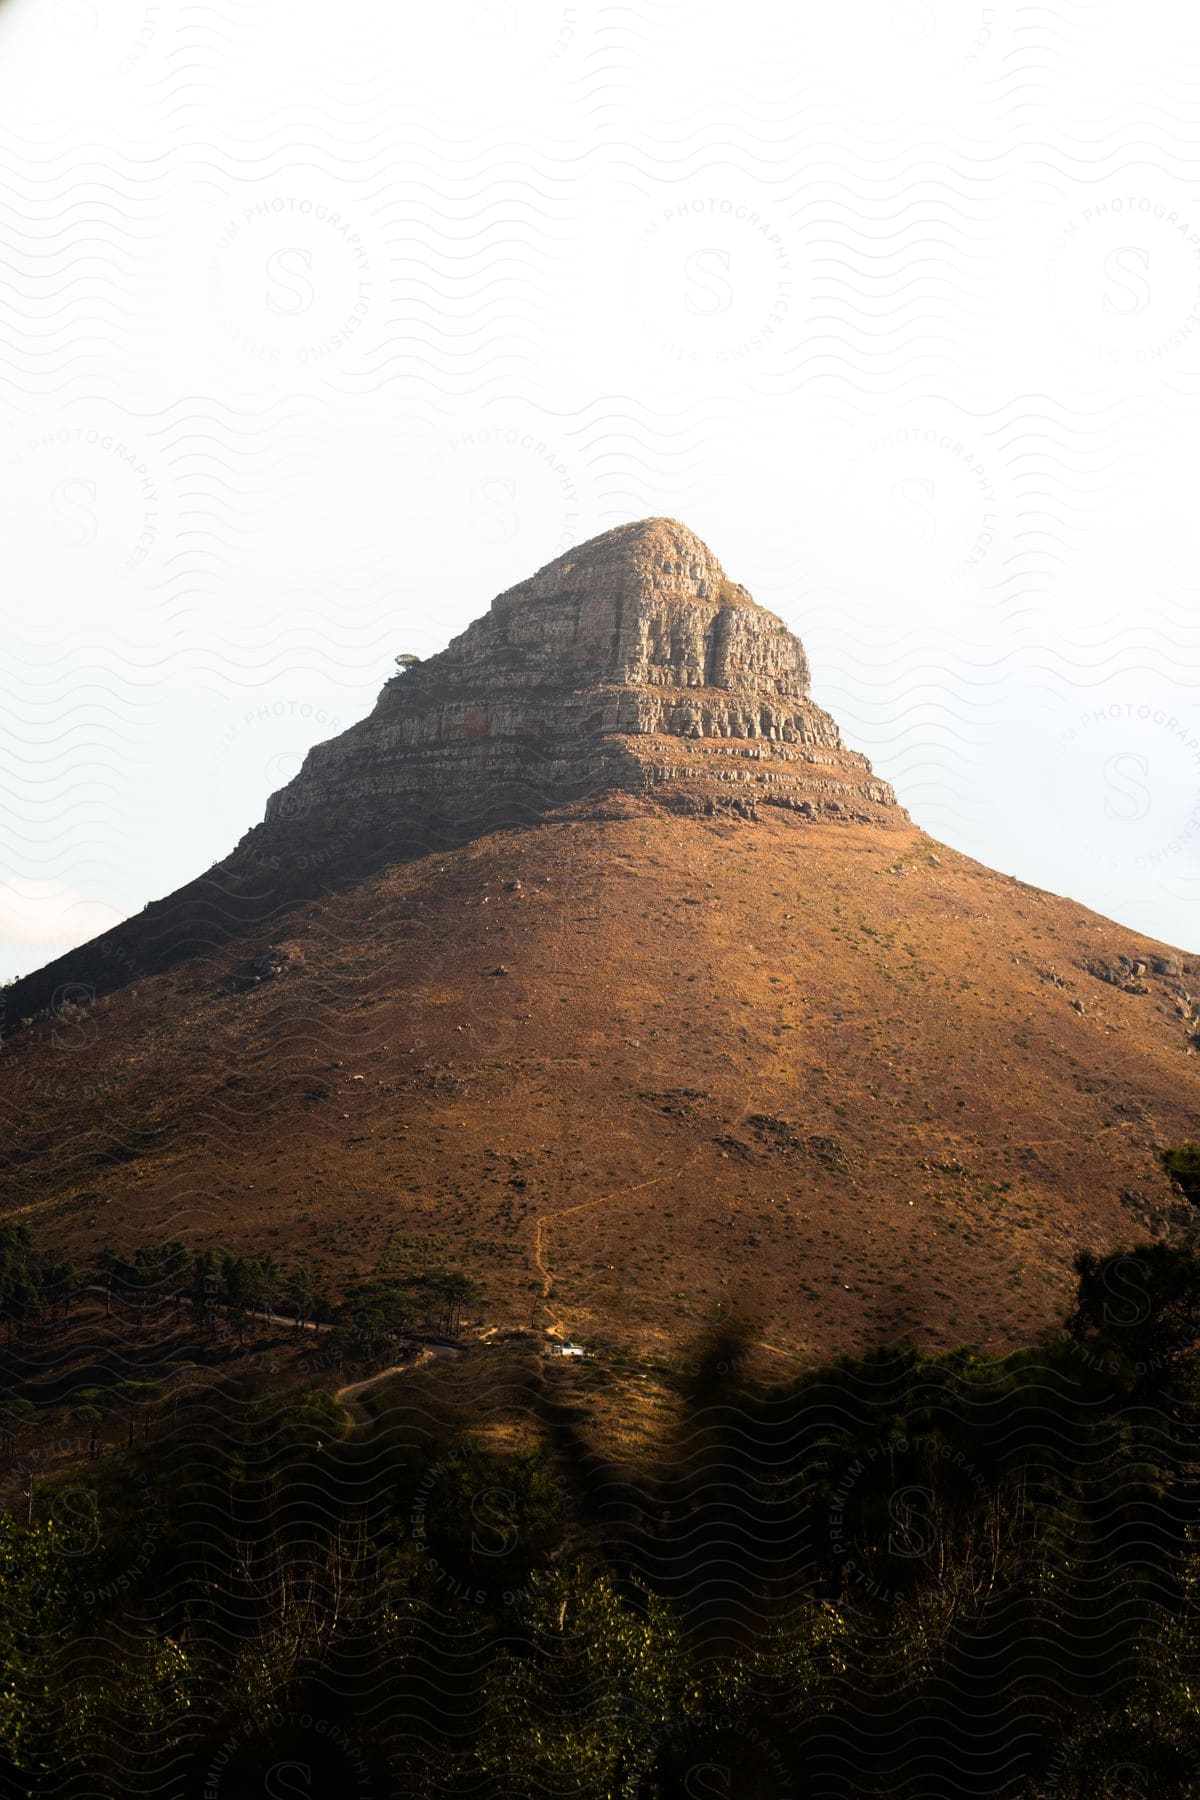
(639, 1073)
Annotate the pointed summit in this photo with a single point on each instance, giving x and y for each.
(631, 664)
(657, 599)
(629, 674)
(658, 556)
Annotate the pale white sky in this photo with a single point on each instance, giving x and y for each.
(319, 326)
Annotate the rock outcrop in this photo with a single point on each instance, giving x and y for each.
(630, 664)
(629, 671)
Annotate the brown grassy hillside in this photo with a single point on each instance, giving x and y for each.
(639, 1073)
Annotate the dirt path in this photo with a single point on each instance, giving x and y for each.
(562, 1212)
(348, 1396)
(428, 1353)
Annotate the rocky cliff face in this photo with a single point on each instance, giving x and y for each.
(629, 672)
(631, 664)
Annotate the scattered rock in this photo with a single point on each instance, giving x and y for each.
(676, 1103)
(733, 1146)
(828, 1151)
(1124, 973)
(778, 1133)
(784, 1136)
(266, 966)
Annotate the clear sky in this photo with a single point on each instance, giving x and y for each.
(319, 326)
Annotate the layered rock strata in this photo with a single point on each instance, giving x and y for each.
(630, 667)
(631, 663)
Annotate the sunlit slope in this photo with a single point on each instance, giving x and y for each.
(637, 1073)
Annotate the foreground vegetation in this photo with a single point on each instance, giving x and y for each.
(900, 1575)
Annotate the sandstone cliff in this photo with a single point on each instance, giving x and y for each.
(630, 671)
(631, 663)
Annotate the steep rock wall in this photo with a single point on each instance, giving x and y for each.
(594, 675)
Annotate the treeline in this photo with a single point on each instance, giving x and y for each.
(905, 1576)
(220, 1293)
(36, 1292)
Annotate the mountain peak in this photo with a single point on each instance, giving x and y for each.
(628, 674)
(649, 556)
(631, 663)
